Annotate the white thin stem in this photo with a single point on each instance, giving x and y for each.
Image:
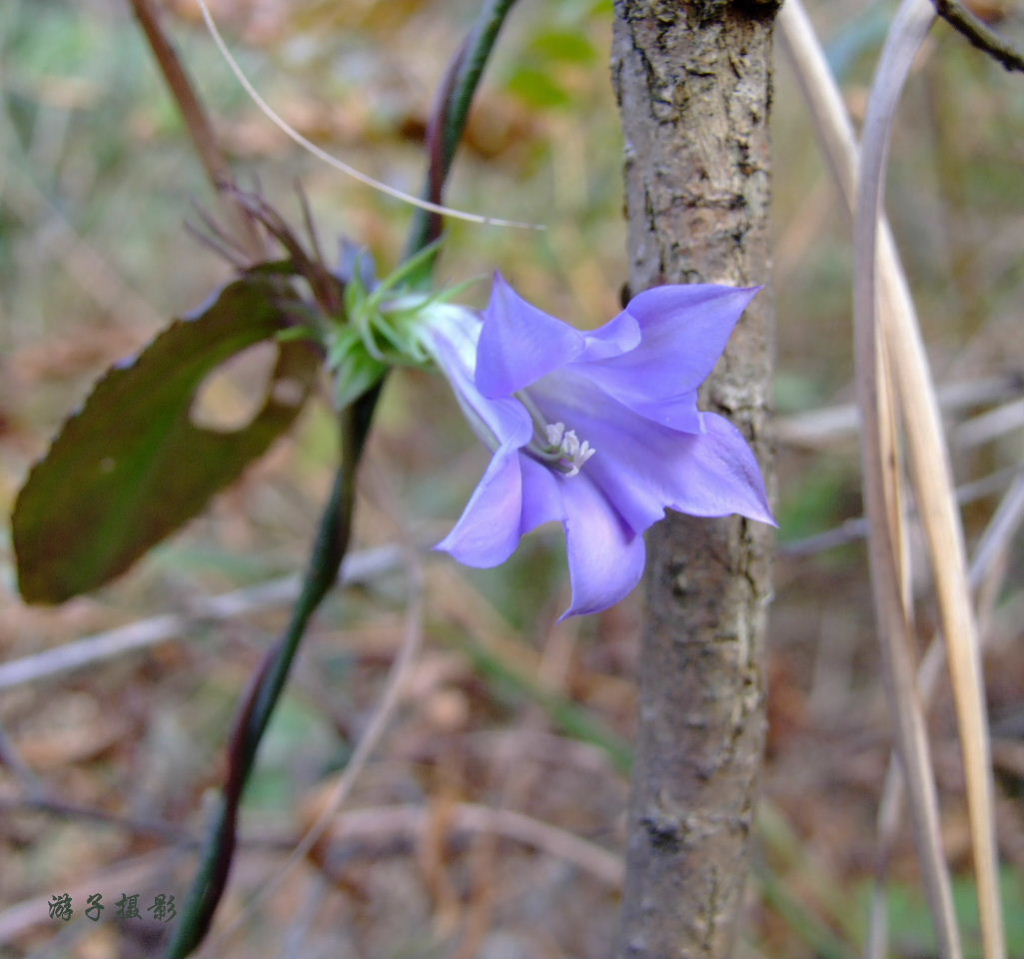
(333, 161)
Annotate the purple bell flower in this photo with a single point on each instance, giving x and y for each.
(599, 431)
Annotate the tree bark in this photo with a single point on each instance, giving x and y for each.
(694, 86)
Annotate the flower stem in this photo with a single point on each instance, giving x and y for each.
(448, 122)
(335, 524)
(269, 681)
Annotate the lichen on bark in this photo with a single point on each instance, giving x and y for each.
(694, 86)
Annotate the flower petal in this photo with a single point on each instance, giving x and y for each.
(722, 475)
(616, 337)
(606, 557)
(635, 458)
(643, 467)
(685, 330)
(629, 390)
(542, 496)
(676, 412)
(519, 343)
(497, 421)
(488, 532)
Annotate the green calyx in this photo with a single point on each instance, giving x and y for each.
(382, 326)
(354, 371)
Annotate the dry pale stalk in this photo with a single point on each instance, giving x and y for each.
(929, 459)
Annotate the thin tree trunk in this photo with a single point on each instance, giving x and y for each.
(694, 85)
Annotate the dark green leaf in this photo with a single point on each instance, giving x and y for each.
(130, 467)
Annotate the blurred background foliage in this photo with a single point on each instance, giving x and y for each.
(106, 769)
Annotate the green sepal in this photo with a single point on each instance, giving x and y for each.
(353, 370)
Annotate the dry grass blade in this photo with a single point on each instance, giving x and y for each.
(881, 480)
(883, 476)
(929, 457)
(932, 473)
(991, 549)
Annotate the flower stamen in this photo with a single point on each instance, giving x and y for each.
(554, 433)
(553, 443)
(563, 449)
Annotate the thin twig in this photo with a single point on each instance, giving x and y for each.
(828, 425)
(214, 162)
(352, 835)
(1001, 529)
(157, 828)
(968, 25)
(856, 528)
(990, 425)
(360, 567)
